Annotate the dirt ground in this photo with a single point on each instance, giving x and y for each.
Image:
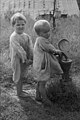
(13, 108)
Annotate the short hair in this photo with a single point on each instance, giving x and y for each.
(17, 16)
(41, 25)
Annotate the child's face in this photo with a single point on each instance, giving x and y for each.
(19, 26)
(45, 35)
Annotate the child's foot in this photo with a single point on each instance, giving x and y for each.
(23, 94)
(47, 103)
(38, 100)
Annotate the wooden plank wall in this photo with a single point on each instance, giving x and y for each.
(36, 7)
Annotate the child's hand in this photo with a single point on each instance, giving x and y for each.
(24, 58)
(28, 62)
(58, 52)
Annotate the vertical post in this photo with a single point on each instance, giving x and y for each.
(34, 4)
(19, 3)
(14, 4)
(54, 5)
(43, 3)
(24, 4)
(29, 4)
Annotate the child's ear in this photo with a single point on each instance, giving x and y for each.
(40, 33)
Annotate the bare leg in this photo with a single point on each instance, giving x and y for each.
(42, 90)
(19, 87)
(38, 95)
(20, 83)
(17, 76)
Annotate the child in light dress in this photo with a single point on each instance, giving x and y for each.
(44, 61)
(20, 50)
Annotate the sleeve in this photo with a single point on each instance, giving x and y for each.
(47, 46)
(16, 46)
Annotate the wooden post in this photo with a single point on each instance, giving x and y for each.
(54, 4)
(14, 4)
(24, 4)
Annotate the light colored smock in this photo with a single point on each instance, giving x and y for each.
(42, 64)
(20, 46)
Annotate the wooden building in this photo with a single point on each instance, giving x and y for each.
(39, 7)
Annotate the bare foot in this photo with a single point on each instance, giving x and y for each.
(23, 94)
